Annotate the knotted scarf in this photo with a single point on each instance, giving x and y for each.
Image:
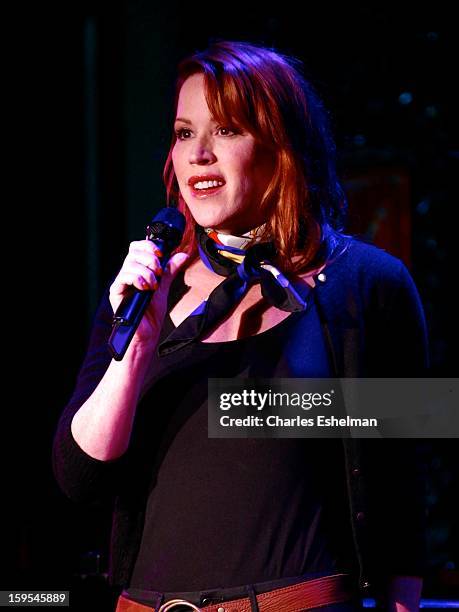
(243, 260)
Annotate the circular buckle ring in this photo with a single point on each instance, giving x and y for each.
(172, 603)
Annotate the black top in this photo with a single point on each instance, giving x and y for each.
(226, 512)
(373, 321)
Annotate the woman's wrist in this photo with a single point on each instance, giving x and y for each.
(140, 350)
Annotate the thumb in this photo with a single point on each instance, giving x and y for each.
(175, 263)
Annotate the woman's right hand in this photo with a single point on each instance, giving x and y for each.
(142, 269)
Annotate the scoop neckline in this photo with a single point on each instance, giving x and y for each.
(199, 343)
(282, 323)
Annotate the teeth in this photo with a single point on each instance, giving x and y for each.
(207, 184)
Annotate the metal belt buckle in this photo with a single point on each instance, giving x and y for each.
(172, 603)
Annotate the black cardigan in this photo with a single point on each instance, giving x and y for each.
(374, 326)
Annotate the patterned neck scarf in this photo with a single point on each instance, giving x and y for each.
(243, 260)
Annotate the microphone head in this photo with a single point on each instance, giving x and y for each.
(168, 226)
(170, 216)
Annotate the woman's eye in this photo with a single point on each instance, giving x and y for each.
(228, 131)
(184, 133)
(181, 134)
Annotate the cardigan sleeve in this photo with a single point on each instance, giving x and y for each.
(81, 477)
(398, 348)
(401, 334)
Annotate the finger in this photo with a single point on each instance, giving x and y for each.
(130, 279)
(147, 259)
(139, 269)
(145, 246)
(134, 273)
(175, 263)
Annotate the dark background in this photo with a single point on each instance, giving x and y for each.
(91, 90)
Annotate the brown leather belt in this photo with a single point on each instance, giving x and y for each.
(294, 598)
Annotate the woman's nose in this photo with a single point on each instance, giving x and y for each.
(202, 153)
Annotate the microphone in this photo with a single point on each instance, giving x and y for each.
(165, 231)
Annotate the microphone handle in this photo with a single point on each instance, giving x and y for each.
(130, 312)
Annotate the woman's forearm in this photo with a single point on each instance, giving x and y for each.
(102, 426)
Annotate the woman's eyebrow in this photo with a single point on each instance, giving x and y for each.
(189, 122)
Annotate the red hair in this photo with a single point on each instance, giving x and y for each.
(264, 92)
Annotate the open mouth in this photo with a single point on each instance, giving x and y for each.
(204, 189)
(205, 193)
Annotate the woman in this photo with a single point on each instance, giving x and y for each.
(260, 524)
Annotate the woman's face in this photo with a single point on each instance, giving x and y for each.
(222, 173)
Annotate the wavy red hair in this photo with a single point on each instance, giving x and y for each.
(264, 92)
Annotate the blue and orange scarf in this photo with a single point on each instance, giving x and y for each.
(243, 260)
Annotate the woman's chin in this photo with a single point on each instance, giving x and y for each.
(209, 216)
(213, 221)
